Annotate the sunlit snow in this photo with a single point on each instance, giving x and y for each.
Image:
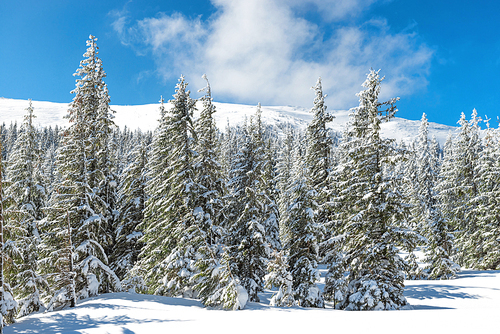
(146, 117)
(467, 304)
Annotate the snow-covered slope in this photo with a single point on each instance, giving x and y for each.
(146, 117)
(468, 304)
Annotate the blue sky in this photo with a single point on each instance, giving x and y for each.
(440, 57)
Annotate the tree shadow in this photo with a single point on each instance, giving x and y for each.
(429, 307)
(478, 273)
(71, 323)
(431, 291)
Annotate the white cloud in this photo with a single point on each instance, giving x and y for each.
(262, 50)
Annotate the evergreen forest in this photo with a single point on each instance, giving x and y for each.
(220, 215)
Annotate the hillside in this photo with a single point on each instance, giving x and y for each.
(145, 117)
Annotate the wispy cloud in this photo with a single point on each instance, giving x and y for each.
(263, 50)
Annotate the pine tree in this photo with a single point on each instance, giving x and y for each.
(372, 221)
(132, 198)
(440, 241)
(157, 187)
(300, 240)
(217, 286)
(170, 230)
(279, 276)
(486, 237)
(420, 182)
(215, 282)
(458, 187)
(246, 240)
(264, 168)
(318, 142)
(270, 191)
(318, 152)
(8, 305)
(27, 192)
(208, 171)
(445, 184)
(106, 186)
(77, 214)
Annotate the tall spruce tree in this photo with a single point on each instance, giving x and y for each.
(318, 152)
(76, 213)
(264, 167)
(214, 282)
(373, 219)
(486, 248)
(157, 187)
(132, 199)
(8, 305)
(170, 230)
(440, 242)
(300, 239)
(458, 187)
(28, 196)
(208, 171)
(246, 241)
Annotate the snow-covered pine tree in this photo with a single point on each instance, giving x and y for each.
(332, 246)
(318, 153)
(265, 167)
(435, 152)
(373, 219)
(439, 241)
(284, 170)
(132, 198)
(445, 183)
(246, 242)
(8, 306)
(208, 171)
(106, 186)
(318, 142)
(216, 284)
(270, 191)
(229, 148)
(76, 212)
(440, 247)
(459, 187)
(419, 180)
(279, 276)
(404, 173)
(335, 280)
(301, 236)
(10, 139)
(28, 196)
(157, 187)
(486, 237)
(285, 161)
(170, 230)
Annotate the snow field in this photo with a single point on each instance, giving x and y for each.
(468, 304)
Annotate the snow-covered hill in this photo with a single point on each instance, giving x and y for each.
(468, 304)
(145, 117)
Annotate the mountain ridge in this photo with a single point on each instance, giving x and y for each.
(145, 117)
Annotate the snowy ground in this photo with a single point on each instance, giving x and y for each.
(468, 304)
(146, 117)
